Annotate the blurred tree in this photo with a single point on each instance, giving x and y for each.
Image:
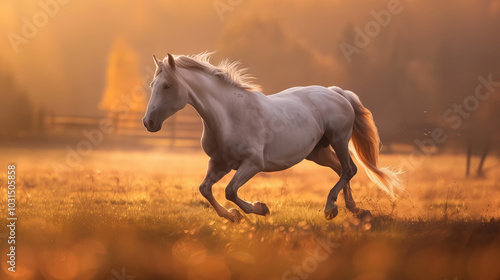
(16, 110)
(123, 94)
(275, 55)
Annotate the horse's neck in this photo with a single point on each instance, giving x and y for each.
(210, 99)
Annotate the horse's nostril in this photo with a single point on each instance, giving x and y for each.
(151, 124)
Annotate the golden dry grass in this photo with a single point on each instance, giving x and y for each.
(142, 212)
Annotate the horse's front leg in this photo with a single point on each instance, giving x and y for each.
(215, 172)
(246, 171)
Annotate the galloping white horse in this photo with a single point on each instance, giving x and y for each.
(250, 132)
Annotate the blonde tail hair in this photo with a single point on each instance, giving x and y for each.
(366, 142)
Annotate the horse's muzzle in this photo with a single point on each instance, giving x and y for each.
(151, 126)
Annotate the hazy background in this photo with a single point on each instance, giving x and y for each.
(94, 204)
(428, 58)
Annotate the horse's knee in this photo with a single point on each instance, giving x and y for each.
(353, 171)
(205, 190)
(349, 172)
(230, 194)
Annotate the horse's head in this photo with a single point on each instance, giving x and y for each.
(168, 94)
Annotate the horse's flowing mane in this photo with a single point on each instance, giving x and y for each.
(228, 71)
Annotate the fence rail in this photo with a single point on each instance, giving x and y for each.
(182, 129)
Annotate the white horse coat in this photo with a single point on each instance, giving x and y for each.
(250, 132)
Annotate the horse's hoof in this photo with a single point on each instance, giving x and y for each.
(261, 209)
(364, 215)
(234, 215)
(330, 214)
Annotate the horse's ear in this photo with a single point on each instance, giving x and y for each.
(156, 61)
(171, 61)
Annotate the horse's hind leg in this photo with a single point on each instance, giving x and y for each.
(350, 204)
(324, 156)
(349, 169)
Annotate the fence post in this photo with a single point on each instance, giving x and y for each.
(173, 128)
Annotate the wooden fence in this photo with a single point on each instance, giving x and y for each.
(181, 130)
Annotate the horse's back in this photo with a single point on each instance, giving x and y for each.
(299, 118)
(313, 93)
(324, 103)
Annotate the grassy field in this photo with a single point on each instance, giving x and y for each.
(139, 214)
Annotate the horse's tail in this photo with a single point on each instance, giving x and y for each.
(366, 142)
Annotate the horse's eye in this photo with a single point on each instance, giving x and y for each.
(166, 86)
